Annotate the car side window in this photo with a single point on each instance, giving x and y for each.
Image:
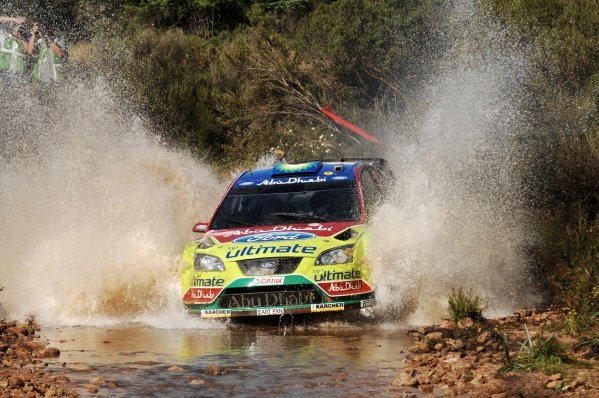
(371, 192)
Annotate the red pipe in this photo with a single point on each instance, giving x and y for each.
(355, 129)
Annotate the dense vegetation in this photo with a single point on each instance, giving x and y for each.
(232, 79)
(565, 127)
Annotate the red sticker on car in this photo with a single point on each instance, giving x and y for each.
(199, 295)
(345, 288)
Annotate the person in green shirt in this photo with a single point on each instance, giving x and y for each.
(49, 52)
(13, 50)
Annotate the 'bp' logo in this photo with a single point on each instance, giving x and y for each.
(274, 237)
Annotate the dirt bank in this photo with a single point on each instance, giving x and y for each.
(470, 359)
(22, 367)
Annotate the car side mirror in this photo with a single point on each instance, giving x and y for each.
(200, 227)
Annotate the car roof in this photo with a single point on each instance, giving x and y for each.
(305, 172)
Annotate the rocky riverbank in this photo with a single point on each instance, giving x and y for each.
(493, 358)
(23, 371)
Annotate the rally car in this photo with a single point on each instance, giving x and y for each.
(287, 239)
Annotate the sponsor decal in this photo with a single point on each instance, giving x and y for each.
(327, 307)
(208, 282)
(274, 237)
(269, 264)
(367, 303)
(345, 288)
(198, 295)
(337, 275)
(215, 314)
(268, 280)
(328, 173)
(340, 178)
(292, 180)
(252, 250)
(243, 184)
(279, 228)
(269, 299)
(270, 311)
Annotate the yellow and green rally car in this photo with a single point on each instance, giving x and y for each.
(285, 240)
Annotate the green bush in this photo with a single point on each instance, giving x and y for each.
(542, 353)
(464, 305)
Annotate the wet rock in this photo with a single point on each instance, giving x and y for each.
(197, 382)
(175, 368)
(214, 370)
(80, 368)
(554, 377)
(495, 386)
(111, 384)
(421, 346)
(553, 385)
(97, 381)
(146, 363)
(91, 388)
(448, 391)
(62, 379)
(16, 382)
(578, 382)
(50, 352)
(465, 323)
(404, 379)
(484, 337)
(426, 388)
(434, 336)
(524, 313)
(448, 325)
(454, 345)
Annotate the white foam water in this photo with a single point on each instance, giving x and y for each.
(456, 219)
(95, 212)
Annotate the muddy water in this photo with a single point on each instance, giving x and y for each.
(331, 360)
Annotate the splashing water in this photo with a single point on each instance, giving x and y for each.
(456, 218)
(96, 212)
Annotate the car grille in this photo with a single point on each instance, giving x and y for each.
(270, 296)
(269, 266)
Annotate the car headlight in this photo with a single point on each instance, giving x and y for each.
(204, 262)
(339, 255)
(206, 243)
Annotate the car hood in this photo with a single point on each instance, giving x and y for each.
(279, 233)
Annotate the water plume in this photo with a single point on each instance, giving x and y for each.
(456, 217)
(95, 210)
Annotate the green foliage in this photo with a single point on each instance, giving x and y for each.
(370, 45)
(464, 305)
(169, 76)
(571, 229)
(540, 353)
(564, 38)
(566, 32)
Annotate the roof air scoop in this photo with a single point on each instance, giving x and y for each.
(296, 169)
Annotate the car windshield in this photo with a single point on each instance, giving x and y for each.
(288, 204)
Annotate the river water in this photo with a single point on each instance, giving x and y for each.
(324, 360)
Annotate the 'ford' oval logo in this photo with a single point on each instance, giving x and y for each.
(269, 264)
(274, 237)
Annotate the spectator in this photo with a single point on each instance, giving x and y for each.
(13, 48)
(50, 54)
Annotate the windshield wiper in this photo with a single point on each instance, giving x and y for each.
(240, 222)
(300, 216)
